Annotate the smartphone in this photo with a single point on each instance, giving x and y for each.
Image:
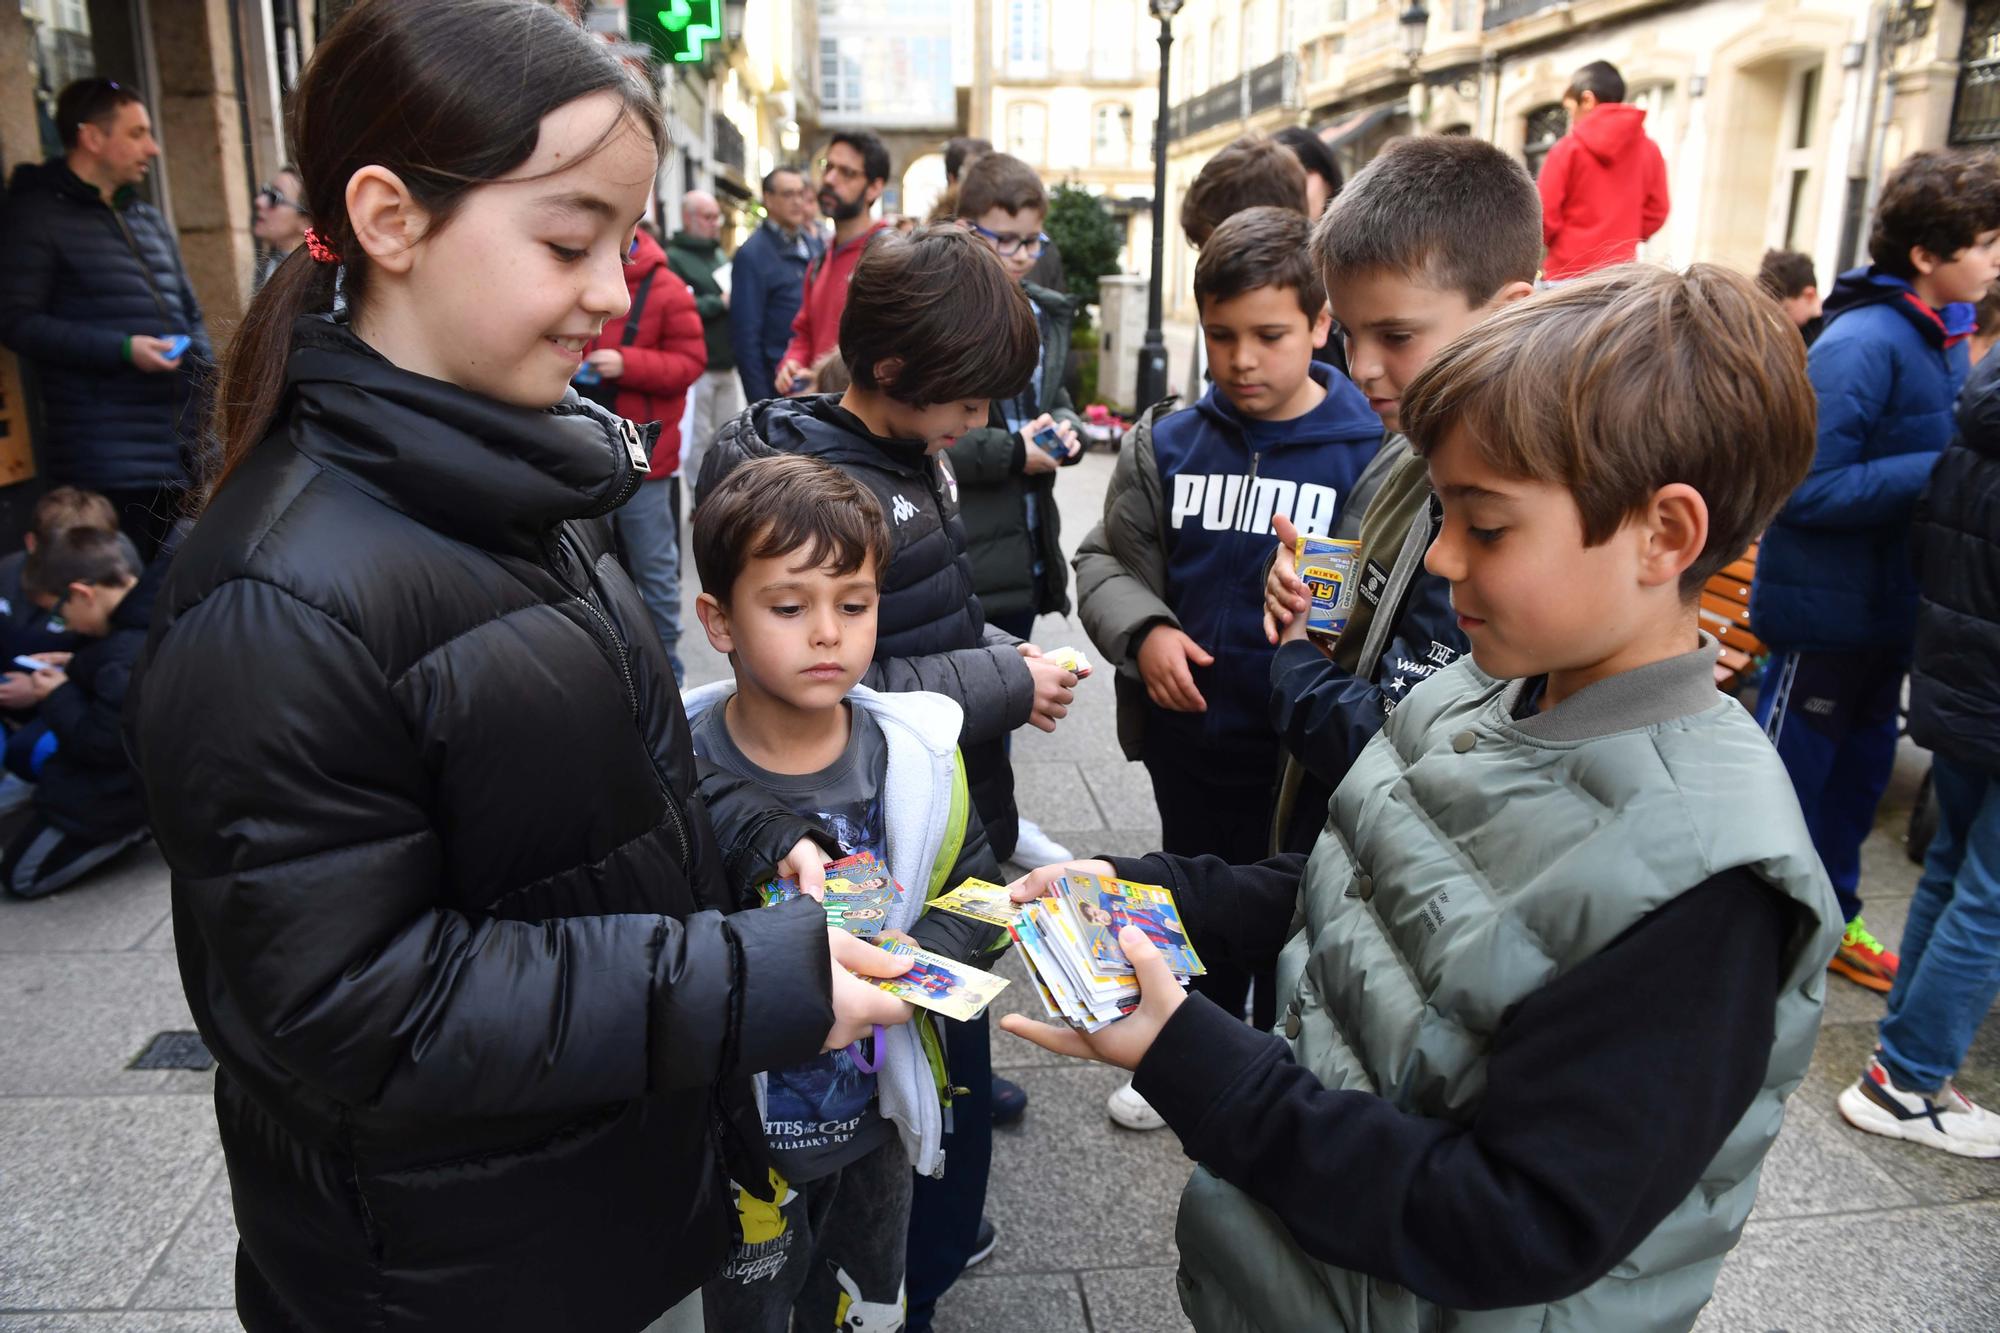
(1052, 443)
(31, 664)
(176, 345)
(587, 374)
(799, 384)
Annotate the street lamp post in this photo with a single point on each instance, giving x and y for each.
(1153, 352)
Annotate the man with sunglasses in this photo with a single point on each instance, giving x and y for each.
(280, 222)
(854, 173)
(95, 298)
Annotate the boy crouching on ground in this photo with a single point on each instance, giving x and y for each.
(1497, 1086)
(790, 552)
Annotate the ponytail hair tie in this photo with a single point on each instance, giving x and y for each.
(316, 246)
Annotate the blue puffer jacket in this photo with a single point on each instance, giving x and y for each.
(1834, 570)
(78, 277)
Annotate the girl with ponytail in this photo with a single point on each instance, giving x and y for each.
(461, 937)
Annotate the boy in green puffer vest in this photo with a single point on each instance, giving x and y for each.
(1501, 1100)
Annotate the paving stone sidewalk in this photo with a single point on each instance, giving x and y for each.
(114, 1209)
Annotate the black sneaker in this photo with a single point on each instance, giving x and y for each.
(1010, 1101)
(982, 1246)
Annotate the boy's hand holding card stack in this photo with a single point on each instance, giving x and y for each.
(1072, 940)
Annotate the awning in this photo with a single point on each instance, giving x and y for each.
(1335, 133)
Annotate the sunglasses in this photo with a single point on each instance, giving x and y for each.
(275, 198)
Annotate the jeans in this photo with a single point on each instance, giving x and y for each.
(717, 400)
(945, 1213)
(1949, 969)
(649, 533)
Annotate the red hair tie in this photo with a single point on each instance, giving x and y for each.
(317, 247)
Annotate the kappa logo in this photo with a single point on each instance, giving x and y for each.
(1821, 707)
(902, 510)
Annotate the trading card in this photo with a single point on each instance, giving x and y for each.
(937, 983)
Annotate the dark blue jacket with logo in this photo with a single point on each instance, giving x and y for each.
(1222, 479)
(1834, 570)
(77, 278)
(766, 282)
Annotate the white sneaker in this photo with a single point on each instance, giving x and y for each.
(1950, 1121)
(1034, 848)
(1126, 1107)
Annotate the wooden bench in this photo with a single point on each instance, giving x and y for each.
(1725, 613)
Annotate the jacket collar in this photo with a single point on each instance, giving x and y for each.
(820, 427)
(933, 718)
(1871, 286)
(1643, 697)
(485, 472)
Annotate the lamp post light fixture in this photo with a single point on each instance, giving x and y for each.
(1413, 25)
(1152, 385)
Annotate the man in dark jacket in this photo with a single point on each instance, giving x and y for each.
(1950, 971)
(694, 253)
(94, 296)
(767, 281)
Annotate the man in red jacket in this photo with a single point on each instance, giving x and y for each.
(1604, 184)
(652, 356)
(856, 171)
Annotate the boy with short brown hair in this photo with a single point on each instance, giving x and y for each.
(1498, 1088)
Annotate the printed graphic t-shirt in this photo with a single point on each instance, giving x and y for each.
(821, 1115)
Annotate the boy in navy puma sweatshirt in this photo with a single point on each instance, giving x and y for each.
(1169, 583)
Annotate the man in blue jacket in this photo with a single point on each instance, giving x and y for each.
(767, 279)
(1835, 597)
(95, 298)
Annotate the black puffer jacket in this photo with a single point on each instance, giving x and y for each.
(78, 277)
(444, 910)
(1955, 544)
(994, 490)
(932, 634)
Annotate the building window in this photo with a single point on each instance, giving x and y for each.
(1546, 124)
(1465, 15)
(1110, 139)
(1257, 40)
(1218, 54)
(1113, 40)
(1797, 157)
(1027, 37)
(1975, 111)
(1028, 131)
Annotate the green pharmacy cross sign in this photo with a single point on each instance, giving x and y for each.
(677, 30)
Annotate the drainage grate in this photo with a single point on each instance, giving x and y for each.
(174, 1050)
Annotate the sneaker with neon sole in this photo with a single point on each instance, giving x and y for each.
(1862, 959)
(1949, 1121)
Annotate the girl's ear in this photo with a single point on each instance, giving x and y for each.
(386, 218)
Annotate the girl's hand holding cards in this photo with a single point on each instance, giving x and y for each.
(1125, 1042)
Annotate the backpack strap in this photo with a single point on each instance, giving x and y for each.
(638, 305)
(954, 833)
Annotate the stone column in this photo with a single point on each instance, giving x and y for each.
(199, 108)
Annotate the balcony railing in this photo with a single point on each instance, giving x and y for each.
(1273, 83)
(1499, 13)
(728, 142)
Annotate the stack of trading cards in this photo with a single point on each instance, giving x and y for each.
(938, 983)
(1070, 940)
(859, 893)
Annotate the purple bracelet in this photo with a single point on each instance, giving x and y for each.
(861, 1061)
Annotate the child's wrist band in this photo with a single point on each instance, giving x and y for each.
(126, 350)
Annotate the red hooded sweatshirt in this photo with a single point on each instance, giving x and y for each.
(668, 355)
(1604, 190)
(816, 328)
